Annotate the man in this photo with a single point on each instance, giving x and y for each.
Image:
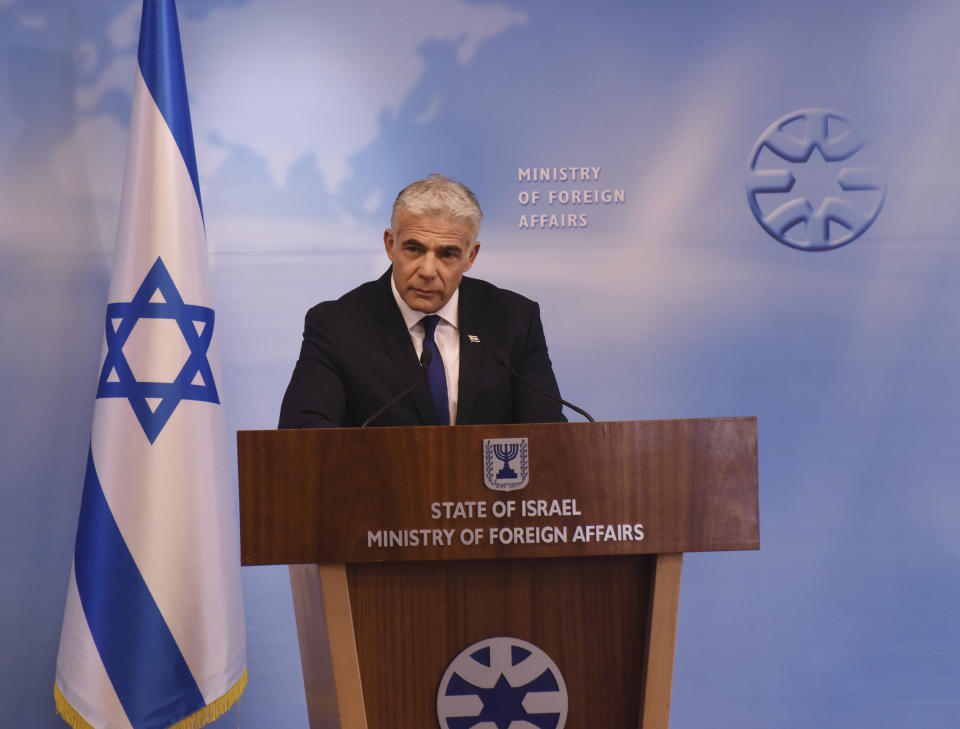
(362, 350)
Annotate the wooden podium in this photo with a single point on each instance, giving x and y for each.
(404, 557)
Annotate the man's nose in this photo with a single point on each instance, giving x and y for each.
(428, 266)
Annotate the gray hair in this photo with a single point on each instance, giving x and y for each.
(442, 197)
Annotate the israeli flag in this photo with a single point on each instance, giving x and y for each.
(153, 633)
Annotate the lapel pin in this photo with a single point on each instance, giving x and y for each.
(473, 338)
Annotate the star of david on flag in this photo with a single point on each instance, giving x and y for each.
(153, 632)
(154, 402)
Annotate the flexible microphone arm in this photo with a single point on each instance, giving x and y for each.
(503, 361)
(425, 360)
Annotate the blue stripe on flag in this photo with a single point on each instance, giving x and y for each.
(141, 657)
(161, 65)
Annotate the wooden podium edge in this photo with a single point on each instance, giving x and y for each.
(661, 642)
(328, 644)
(343, 646)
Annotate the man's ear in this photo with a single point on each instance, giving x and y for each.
(388, 242)
(472, 255)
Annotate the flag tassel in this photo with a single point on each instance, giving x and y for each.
(211, 712)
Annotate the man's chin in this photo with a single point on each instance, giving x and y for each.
(425, 304)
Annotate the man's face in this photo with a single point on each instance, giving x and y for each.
(430, 256)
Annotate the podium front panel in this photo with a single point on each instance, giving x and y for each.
(588, 615)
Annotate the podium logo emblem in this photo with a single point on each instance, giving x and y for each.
(506, 463)
(505, 683)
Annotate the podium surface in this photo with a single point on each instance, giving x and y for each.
(419, 542)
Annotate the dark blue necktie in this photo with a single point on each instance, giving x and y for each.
(436, 375)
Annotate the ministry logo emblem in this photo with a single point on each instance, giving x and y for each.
(506, 463)
(814, 183)
(505, 683)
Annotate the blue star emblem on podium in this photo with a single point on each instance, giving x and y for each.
(154, 402)
(503, 702)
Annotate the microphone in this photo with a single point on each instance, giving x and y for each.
(504, 362)
(425, 358)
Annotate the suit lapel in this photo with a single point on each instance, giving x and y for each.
(471, 352)
(400, 349)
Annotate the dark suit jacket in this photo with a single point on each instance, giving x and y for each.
(357, 355)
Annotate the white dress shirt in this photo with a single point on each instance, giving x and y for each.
(447, 337)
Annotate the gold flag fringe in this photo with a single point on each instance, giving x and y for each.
(212, 711)
(69, 714)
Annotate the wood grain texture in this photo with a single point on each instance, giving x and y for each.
(661, 642)
(313, 495)
(589, 615)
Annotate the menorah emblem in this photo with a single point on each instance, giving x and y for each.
(506, 453)
(506, 450)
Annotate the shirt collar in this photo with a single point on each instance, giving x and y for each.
(449, 312)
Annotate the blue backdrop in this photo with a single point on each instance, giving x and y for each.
(670, 300)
